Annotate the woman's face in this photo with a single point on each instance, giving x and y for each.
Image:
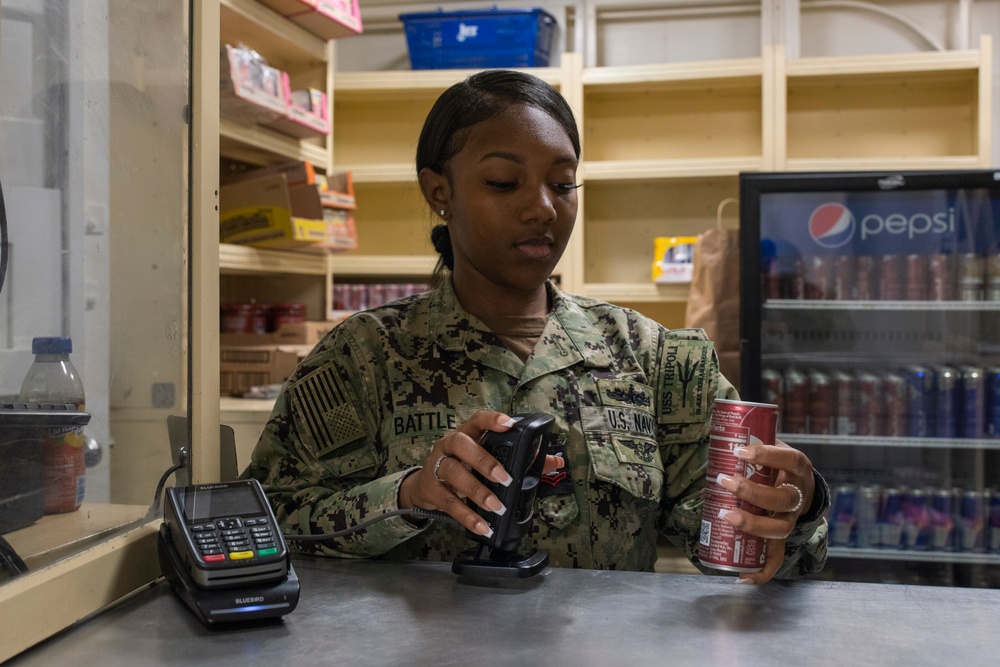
(512, 202)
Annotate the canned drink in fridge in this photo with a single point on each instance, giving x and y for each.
(971, 522)
(795, 414)
(797, 280)
(866, 405)
(919, 401)
(891, 519)
(892, 275)
(845, 420)
(735, 424)
(993, 520)
(842, 516)
(993, 402)
(844, 286)
(865, 288)
(971, 278)
(916, 520)
(941, 283)
(973, 402)
(821, 407)
(773, 391)
(946, 397)
(895, 399)
(992, 277)
(819, 277)
(771, 278)
(942, 521)
(866, 512)
(916, 277)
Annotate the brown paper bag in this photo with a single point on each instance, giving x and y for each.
(714, 301)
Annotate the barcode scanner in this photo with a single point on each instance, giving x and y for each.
(521, 450)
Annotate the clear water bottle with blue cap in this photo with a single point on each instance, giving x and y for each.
(52, 379)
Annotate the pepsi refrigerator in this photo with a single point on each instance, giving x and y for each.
(870, 314)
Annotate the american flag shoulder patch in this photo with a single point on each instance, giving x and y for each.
(326, 410)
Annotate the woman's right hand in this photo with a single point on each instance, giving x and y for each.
(446, 480)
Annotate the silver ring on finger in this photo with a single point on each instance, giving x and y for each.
(801, 499)
(437, 466)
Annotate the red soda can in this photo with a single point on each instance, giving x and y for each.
(771, 279)
(845, 421)
(892, 276)
(916, 277)
(941, 273)
(773, 386)
(819, 282)
(866, 404)
(894, 404)
(864, 278)
(843, 278)
(735, 424)
(821, 403)
(795, 412)
(798, 280)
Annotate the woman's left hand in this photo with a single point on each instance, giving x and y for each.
(790, 497)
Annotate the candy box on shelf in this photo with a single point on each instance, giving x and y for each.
(250, 90)
(328, 19)
(673, 256)
(479, 39)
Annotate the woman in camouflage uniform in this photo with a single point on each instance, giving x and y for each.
(386, 412)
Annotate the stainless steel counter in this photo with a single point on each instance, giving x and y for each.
(371, 613)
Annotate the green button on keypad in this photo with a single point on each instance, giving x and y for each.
(267, 552)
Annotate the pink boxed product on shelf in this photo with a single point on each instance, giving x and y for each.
(328, 19)
(250, 90)
(308, 112)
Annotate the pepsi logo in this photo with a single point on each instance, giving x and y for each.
(831, 225)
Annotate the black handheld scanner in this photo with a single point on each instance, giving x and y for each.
(521, 450)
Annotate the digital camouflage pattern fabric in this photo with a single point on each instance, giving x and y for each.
(632, 403)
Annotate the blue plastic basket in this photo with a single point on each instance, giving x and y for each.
(479, 39)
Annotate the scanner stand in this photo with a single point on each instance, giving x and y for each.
(219, 607)
(484, 561)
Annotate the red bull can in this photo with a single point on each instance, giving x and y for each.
(891, 519)
(942, 521)
(894, 402)
(993, 402)
(973, 402)
(821, 403)
(795, 416)
(945, 401)
(735, 424)
(842, 517)
(916, 521)
(971, 523)
(993, 522)
(867, 405)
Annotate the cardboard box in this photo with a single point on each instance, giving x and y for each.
(244, 367)
(308, 113)
(290, 333)
(297, 172)
(267, 212)
(328, 19)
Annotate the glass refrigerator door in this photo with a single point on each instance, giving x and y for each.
(878, 324)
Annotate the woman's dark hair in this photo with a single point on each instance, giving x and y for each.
(480, 97)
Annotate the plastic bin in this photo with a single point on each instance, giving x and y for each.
(479, 39)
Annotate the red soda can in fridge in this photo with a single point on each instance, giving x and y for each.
(892, 278)
(942, 285)
(845, 421)
(771, 279)
(773, 386)
(916, 277)
(795, 413)
(821, 403)
(735, 424)
(843, 278)
(797, 280)
(866, 404)
(819, 277)
(865, 287)
(895, 398)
